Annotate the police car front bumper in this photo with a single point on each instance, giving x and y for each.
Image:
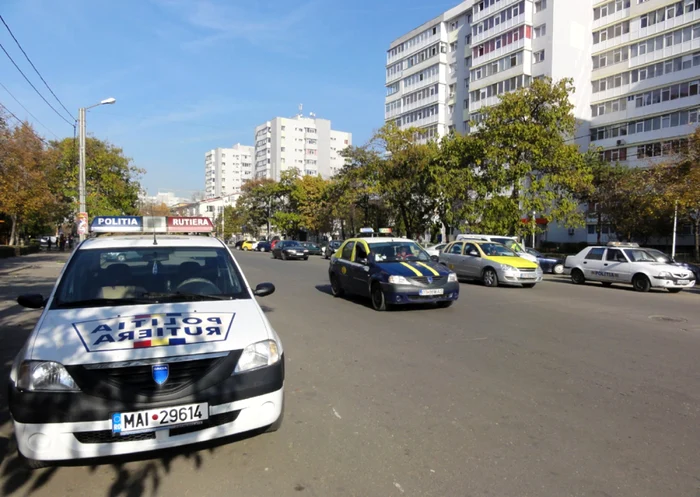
(411, 294)
(63, 426)
(673, 282)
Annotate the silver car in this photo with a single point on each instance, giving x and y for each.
(491, 263)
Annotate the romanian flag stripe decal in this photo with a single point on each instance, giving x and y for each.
(417, 273)
(159, 342)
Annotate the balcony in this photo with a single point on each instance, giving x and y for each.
(421, 84)
(394, 77)
(504, 26)
(426, 121)
(633, 113)
(421, 103)
(672, 51)
(484, 102)
(524, 68)
(415, 48)
(480, 15)
(500, 52)
(618, 16)
(646, 137)
(644, 85)
(664, 26)
(611, 43)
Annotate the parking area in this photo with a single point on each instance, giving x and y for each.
(553, 391)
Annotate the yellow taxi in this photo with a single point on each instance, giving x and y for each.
(249, 245)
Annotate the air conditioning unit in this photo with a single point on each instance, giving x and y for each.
(620, 142)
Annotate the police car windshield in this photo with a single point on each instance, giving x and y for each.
(397, 252)
(134, 275)
(639, 255)
(497, 250)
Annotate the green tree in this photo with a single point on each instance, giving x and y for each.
(531, 163)
(310, 194)
(257, 204)
(25, 168)
(112, 181)
(232, 222)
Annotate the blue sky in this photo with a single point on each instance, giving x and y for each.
(192, 75)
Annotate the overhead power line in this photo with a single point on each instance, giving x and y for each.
(34, 67)
(27, 111)
(32, 85)
(21, 122)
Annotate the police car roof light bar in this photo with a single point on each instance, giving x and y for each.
(366, 230)
(154, 224)
(623, 244)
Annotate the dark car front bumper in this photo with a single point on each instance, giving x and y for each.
(396, 294)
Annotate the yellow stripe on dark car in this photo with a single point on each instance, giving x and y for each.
(432, 270)
(417, 273)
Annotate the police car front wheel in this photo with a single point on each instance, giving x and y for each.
(378, 300)
(641, 283)
(336, 289)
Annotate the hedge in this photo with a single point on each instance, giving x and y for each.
(14, 251)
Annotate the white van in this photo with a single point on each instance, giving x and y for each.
(509, 241)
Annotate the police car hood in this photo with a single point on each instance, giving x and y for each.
(413, 268)
(107, 334)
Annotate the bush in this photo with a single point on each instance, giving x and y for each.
(13, 251)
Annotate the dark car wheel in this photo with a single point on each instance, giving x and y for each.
(577, 277)
(641, 283)
(284, 256)
(306, 258)
(378, 300)
(490, 278)
(336, 288)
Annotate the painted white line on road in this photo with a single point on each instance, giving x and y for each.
(396, 484)
(336, 413)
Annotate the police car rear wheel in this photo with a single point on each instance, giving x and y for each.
(336, 289)
(378, 300)
(641, 283)
(577, 277)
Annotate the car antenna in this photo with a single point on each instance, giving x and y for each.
(155, 242)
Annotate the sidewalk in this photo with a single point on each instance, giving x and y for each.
(14, 264)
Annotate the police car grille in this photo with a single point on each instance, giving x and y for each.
(216, 420)
(527, 270)
(107, 437)
(437, 280)
(139, 379)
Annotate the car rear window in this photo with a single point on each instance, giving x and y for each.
(595, 254)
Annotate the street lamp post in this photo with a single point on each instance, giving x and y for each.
(81, 155)
(534, 228)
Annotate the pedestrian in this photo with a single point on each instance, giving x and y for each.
(70, 242)
(62, 242)
(48, 244)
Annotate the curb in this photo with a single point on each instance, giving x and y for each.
(14, 270)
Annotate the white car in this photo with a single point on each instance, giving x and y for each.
(509, 241)
(435, 249)
(165, 349)
(627, 264)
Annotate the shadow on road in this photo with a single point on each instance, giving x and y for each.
(366, 302)
(620, 286)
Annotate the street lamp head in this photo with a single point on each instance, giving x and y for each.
(108, 101)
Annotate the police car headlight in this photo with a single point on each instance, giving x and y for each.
(45, 376)
(452, 278)
(664, 275)
(399, 280)
(258, 355)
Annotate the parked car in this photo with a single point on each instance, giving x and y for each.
(264, 246)
(548, 264)
(492, 263)
(435, 249)
(290, 249)
(312, 248)
(238, 244)
(509, 241)
(249, 245)
(274, 242)
(662, 257)
(330, 249)
(628, 264)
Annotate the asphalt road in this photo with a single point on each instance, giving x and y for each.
(555, 391)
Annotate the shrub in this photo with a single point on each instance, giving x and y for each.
(14, 251)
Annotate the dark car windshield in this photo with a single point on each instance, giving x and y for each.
(149, 274)
(497, 250)
(397, 252)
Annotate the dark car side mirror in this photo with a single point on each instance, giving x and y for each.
(264, 289)
(32, 301)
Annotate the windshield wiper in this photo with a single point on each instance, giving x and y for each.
(185, 296)
(100, 302)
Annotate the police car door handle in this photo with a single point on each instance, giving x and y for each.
(605, 264)
(585, 262)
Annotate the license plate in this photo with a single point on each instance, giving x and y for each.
(528, 276)
(683, 282)
(432, 291)
(154, 419)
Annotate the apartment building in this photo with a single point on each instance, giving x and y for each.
(635, 66)
(306, 143)
(226, 169)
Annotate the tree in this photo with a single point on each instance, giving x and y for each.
(25, 169)
(257, 203)
(112, 181)
(233, 222)
(311, 198)
(530, 164)
(154, 209)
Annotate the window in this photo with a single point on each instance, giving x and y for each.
(540, 5)
(456, 248)
(595, 254)
(540, 31)
(538, 56)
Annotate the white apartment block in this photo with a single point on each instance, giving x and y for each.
(226, 169)
(635, 66)
(305, 143)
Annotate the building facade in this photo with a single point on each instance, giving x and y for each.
(226, 169)
(305, 143)
(635, 66)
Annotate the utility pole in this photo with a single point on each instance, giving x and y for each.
(81, 163)
(675, 222)
(534, 228)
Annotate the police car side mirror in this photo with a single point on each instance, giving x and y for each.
(32, 301)
(264, 289)
(434, 258)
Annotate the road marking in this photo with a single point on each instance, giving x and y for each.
(336, 413)
(396, 484)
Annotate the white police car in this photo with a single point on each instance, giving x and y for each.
(626, 263)
(165, 348)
